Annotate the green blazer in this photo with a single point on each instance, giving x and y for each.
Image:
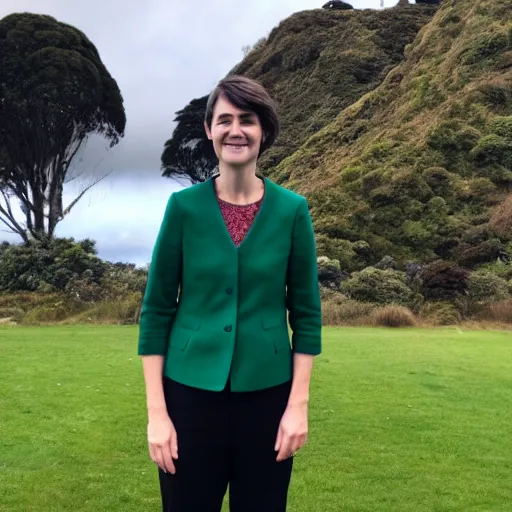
(218, 311)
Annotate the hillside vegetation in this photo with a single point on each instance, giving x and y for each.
(420, 168)
(316, 63)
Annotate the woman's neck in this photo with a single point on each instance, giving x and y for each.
(239, 186)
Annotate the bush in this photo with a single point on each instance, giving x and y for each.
(451, 137)
(393, 316)
(484, 286)
(438, 179)
(350, 312)
(493, 149)
(439, 313)
(502, 127)
(125, 311)
(378, 286)
(442, 281)
(34, 266)
(15, 313)
(501, 219)
(485, 252)
(47, 314)
(499, 311)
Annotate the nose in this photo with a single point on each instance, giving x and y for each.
(235, 129)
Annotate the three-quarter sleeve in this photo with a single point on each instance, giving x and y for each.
(160, 299)
(303, 293)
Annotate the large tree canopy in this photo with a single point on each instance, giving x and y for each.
(54, 92)
(188, 153)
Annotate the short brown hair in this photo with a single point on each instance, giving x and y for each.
(248, 94)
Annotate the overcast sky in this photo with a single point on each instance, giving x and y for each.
(162, 53)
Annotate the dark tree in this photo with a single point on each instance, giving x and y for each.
(188, 153)
(429, 2)
(442, 280)
(337, 4)
(54, 92)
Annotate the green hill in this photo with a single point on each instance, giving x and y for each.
(421, 167)
(396, 125)
(318, 62)
(315, 63)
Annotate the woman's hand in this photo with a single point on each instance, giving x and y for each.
(163, 441)
(293, 430)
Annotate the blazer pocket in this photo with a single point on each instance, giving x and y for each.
(187, 322)
(183, 329)
(277, 329)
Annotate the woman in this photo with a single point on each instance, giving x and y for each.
(227, 389)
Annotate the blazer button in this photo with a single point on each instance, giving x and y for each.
(229, 290)
(227, 328)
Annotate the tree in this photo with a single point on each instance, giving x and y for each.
(429, 2)
(188, 153)
(54, 93)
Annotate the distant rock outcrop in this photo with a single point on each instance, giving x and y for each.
(337, 4)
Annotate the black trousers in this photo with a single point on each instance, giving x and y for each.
(226, 439)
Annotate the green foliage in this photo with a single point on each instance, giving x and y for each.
(493, 149)
(502, 127)
(440, 313)
(51, 262)
(349, 255)
(64, 265)
(483, 286)
(378, 286)
(485, 49)
(454, 140)
(470, 256)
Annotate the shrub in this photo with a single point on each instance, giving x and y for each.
(124, 311)
(502, 127)
(442, 281)
(493, 149)
(15, 313)
(47, 314)
(439, 313)
(501, 219)
(438, 179)
(484, 252)
(378, 286)
(339, 312)
(484, 286)
(499, 311)
(393, 316)
(452, 137)
(329, 272)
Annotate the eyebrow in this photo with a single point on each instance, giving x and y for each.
(243, 115)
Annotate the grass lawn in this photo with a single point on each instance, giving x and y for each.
(400, 420)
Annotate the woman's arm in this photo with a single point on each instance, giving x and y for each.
(305, 314)
(157, 313)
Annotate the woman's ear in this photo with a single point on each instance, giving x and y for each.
(207, 130)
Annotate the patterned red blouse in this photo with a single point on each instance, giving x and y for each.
(238, 218)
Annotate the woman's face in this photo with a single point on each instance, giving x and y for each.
(236, 134)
